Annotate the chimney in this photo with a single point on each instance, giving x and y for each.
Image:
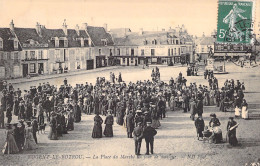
(77, 29)
(84, 26)
(38, 29)
(12, 25)
(65, 26)
(140, 31)
(105, 26)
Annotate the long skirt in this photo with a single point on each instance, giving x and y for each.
(155, 123)
(245, 112)
(108, 132)
(232, 139)
(70, 125)
(120, 120)
(237, 111)
(53, 134)
(97, 131)
(10, 146)
(29, 143)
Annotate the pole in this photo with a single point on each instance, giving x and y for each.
(225, 62)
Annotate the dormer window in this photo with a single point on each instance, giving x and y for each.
(66, 43)
(104, 42)
(56, 39)
(154, 42)
(15, 44)
(145, 42)
(1, 43)
(31, 42)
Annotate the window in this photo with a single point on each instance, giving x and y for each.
(202, 49)
(145, 42)
(104, 42)
(16, 57)
(66, 43)
(123, 60)
(169, 52)
(142, 52)
(172, 52)
(32, 68)
(179, 51)
(152, 52)
(2, 71)
(177, 41)
(15, 44)
(16, 71)
(78, 65)
(32, 54)
(175, 51)
(118, 51)
(1, 56)
(132, 52)
(40, 54)
(110, 52)
(26, 55)
(99, 51)
(56, 42)
(1, 43)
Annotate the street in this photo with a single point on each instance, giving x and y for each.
(176, 142)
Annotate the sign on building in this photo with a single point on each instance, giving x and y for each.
(235, 21)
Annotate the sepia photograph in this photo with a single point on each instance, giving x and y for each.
(129, 83)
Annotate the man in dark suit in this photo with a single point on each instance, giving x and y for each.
(149, 134)
(138, 136)
(130, 124)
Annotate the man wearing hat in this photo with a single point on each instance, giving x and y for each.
(138, 117)
(148, 135)
(130, 124)
(138, 136)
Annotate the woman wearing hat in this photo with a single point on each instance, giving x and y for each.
(231, 131)
(10, 146)
(108, 132)
(97, 129)
(29, 143)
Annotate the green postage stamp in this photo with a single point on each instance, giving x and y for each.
(235, 21)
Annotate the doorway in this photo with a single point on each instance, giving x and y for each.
(25, 70)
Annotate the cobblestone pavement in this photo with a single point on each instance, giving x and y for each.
(175, 143)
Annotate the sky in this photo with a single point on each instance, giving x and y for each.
(198, 16)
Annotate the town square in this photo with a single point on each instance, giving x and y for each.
(102, 93)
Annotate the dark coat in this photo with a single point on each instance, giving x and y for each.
(149, 132)
(130, 123)
(138, 133)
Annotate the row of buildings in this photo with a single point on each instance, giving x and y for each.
(37, 51)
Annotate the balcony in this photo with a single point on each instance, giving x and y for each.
(35, 59)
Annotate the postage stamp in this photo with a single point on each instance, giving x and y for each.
(235, 21)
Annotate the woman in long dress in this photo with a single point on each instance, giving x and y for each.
(108, 132)
(29, 143)
(97, 129)
(53, 135)
(10, 146)
(245, 110)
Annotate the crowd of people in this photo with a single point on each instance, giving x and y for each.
(192, 71)
(136, 106)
